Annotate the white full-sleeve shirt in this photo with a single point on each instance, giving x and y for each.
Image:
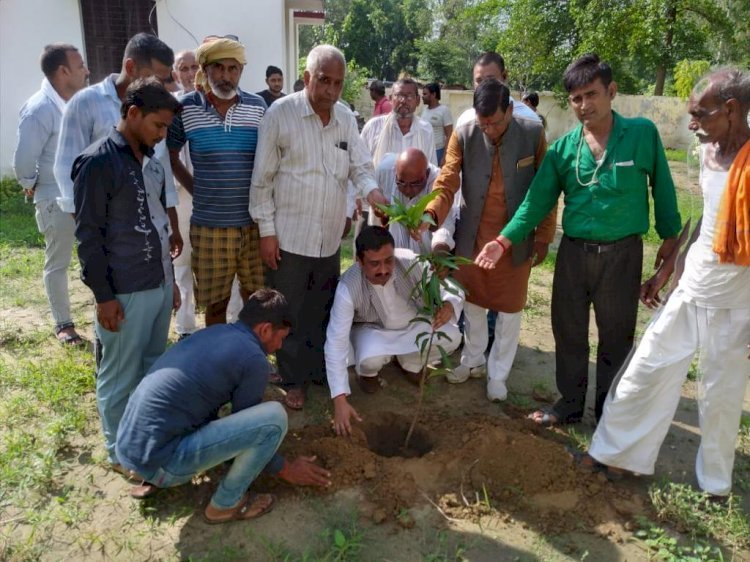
(301, 174)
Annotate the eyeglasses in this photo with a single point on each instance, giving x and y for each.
(404, 96)
(419, 184)
(208, 38)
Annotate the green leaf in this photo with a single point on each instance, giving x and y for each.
(339, 539)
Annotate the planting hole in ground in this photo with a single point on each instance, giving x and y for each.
(386, 436)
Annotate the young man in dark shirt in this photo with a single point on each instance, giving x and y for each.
(170, 430)
(275, 82)
(124, 246)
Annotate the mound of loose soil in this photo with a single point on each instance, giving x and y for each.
(468, 467)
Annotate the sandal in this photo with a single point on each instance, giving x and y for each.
(67, 335)
(242, 511)
(295, 398)
(587, 462)
(550, 418)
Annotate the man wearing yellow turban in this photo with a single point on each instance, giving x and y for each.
(220, 126)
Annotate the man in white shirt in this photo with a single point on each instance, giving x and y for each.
(709, 310)
(407, 177)
(401, 128)
(492, 65)
(308, 150)
(38, 127)
(372, 312)
(439, 116)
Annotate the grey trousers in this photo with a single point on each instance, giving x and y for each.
(610, 281)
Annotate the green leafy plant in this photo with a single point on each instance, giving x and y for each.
(429, 290)
(686, 75)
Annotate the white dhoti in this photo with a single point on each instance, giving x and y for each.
(374, 347)
(184, 319)
(638, 414)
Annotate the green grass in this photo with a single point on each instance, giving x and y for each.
(666, 547)
(43, 404)
(693, 512)
(676, 154)
(17, 224)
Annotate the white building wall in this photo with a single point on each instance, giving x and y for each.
(259, 24)
(26, 26)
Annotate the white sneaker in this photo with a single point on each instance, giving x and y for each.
(462, 373)
(496, 391)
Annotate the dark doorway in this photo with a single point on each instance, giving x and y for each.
(107, 26)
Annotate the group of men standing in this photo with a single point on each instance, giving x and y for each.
(272, 179)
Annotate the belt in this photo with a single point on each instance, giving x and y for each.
(594, 247)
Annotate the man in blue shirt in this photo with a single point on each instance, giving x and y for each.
(171, 431)
(220, 126)
(124, 249)
(65, 73)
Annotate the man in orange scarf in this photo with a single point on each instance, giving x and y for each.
(709, 310)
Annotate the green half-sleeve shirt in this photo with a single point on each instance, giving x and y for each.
(616, 205)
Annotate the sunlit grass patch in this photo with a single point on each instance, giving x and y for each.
(43, 404)
(697, 514)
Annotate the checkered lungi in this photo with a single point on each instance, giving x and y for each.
(219, 254)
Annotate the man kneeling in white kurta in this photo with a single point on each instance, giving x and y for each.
(372, 310)
(709, 310)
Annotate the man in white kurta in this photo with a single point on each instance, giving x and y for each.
(709, 310)
(401, 128)
(407, 177)
(371, 321)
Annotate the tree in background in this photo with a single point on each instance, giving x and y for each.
(440, 39)
(686, 75)
(382, 35)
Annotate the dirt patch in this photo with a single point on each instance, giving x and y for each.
(387, 437)
(477, 464)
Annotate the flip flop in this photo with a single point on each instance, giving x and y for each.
(121, 470)
(295, 398)
(143, 490)
(242, 512)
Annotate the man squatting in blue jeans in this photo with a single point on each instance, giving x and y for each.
(170, 430)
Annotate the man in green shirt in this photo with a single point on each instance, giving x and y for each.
(604, 167)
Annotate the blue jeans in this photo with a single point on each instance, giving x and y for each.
(439, 152)
(250, 437)
(128, 354)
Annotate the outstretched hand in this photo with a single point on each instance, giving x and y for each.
(343, 413)
(375, 198)
(303, 471)
(418, 233)
(490, 255)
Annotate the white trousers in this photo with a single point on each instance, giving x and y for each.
(184, 318)
(638, 413)
(58, 229)
(476, 336)
(412, 362)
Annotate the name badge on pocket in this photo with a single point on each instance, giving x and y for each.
(626, 163)
(524, 162)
